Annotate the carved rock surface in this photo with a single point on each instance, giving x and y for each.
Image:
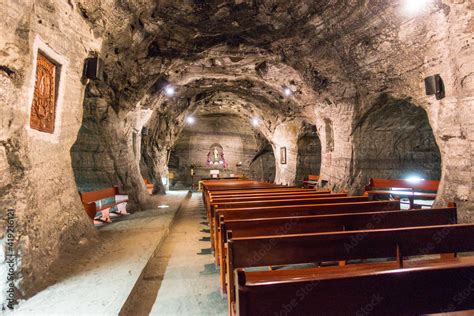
(352, 69)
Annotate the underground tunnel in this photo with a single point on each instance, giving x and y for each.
(123, 123)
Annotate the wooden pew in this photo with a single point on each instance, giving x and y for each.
(421, 190)
(274, 200)
(91, 202)
(272, 203)
(395, 243)
(273, 196)
(149, 186)
(310, 181)
(432, 288)
(238, 187)
(329, 223)
(277, 194)
(296, 210)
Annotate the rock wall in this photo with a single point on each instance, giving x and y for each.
(355, 74)
(394, 140)
(37, 180)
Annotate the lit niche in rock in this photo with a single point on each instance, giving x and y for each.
(215, 156)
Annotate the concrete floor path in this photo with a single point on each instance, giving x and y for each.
(181, 279)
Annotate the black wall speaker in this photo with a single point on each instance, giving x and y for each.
(94, 68)
(434, 86)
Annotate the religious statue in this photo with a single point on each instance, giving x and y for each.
(215, 156)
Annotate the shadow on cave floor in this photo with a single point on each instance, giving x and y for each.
(99, 277)
(181, 279)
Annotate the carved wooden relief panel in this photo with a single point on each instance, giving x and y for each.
(43, 108)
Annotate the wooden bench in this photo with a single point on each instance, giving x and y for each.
(149, 186)
(328, 223)
(238, 186)
(310, 181)
(269, 200)
(394, 243)
(266, 195)
(92, 202)
(273, 203)
(223, 215)
(421, 190)
(414, 290)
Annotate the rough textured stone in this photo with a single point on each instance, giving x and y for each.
(355, 69)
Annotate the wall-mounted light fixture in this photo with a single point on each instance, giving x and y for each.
(434, 85)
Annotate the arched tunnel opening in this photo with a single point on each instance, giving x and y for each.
(309, 152)
(394, 140)
(220, 145)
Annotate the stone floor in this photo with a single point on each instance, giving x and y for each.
(99, 280)
(181, 279)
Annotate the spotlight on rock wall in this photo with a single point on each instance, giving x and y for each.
(190, 120)
(287, 92)
(255, 122)
(170, 90)
(415, 7)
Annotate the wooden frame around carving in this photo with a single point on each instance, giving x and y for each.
(43, 107)
(283, 155)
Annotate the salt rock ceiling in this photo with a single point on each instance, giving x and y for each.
(333, 46)
(338, 57)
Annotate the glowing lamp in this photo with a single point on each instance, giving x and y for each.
(170, 91)
(414, 179)
(414, 7)
(255, 122)
(287, 92)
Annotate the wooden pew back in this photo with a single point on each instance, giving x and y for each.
(312, 209)
(328, 223)
(348, 245)
(413, 291)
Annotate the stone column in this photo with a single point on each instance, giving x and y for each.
(285, 136)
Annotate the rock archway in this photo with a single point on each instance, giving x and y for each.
(309, 152)
(394, 140)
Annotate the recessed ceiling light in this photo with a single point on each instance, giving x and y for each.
(255, 121)
(414, 7)
(287, 92)
(170, 90)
